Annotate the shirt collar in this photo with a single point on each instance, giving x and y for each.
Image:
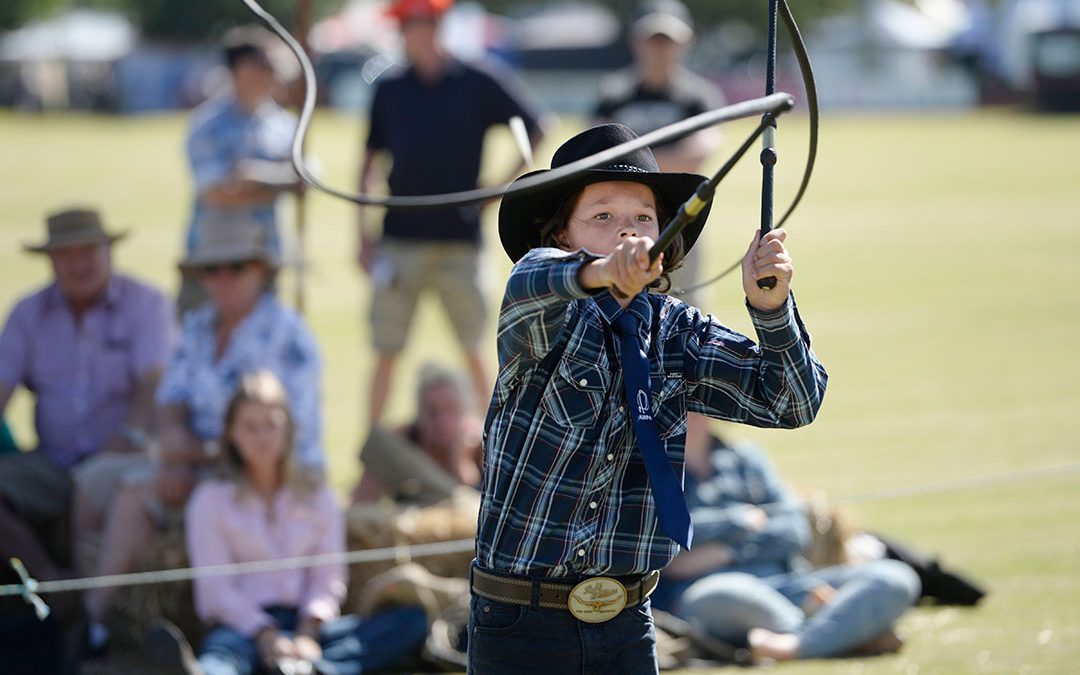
(54, 297)
(639, 306)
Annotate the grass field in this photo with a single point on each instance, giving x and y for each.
(936, 266)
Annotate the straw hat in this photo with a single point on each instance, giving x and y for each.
(74, 227)
(227, 237)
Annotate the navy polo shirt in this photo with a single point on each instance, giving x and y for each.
(435, 134)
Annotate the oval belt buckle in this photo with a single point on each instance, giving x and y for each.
(597, 600)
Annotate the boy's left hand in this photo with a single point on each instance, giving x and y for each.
(767, 257)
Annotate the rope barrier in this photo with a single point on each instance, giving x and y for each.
(30, 588)
(396, 553)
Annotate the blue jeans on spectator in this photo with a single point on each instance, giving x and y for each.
(351, 645)
(869, 598)
(506, 639)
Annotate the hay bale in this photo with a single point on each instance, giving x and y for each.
(137, 606)
(374, 526)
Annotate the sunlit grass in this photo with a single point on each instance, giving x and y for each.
(937, 268)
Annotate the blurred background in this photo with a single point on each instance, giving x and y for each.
(936, 250)
(139, 56)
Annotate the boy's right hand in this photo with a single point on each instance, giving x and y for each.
(627, 271)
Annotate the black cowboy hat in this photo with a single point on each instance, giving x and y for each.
(522, 216)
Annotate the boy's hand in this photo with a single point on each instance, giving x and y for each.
(767, 258)
(626, 271)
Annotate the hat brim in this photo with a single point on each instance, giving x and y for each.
(220, 255)
(75, 240)
(523, 215)
(671, 27)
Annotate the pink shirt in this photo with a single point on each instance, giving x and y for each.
(227, 523)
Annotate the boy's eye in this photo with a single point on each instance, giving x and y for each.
(644, 218)
(603, 215)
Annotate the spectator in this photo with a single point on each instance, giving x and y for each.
(746, 583)
(430, 118)
(91, 347)
(659, 90)
(446, 431)
(264, 506)
(238, 148)
(243, 329)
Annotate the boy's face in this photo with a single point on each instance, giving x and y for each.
(606, 213)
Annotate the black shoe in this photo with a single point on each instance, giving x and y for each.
(169, 650)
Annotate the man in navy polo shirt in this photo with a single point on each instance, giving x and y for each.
(430, 118)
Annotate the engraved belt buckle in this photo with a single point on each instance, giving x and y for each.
(597, 600)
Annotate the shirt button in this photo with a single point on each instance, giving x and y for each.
(621, 409)
(610, 456)
(581, 553)
(592, 505)
(583, 382)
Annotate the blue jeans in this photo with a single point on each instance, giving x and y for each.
(870, 597)
(507, 639)
(351, 645)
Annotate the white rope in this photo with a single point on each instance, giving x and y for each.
(231, 569)
(401, 552)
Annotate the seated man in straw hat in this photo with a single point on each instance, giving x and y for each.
(91, 347)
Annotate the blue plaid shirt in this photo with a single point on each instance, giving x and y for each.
(565, 489)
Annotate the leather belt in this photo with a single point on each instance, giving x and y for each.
(552, 594)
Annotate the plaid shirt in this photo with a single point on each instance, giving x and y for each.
(565, 489)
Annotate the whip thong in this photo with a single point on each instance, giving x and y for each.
(761, 106)
(767, 129)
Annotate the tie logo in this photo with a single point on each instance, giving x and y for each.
(643, 408)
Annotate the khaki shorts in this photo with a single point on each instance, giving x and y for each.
(403, 269)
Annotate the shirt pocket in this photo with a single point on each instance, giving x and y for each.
(669, 405)
(576, 393)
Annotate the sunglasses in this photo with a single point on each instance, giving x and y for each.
(233, 268)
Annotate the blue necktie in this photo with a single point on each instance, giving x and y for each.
(666, 489)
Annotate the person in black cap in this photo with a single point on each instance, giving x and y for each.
(583, 454)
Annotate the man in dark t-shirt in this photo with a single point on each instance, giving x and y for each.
(430, 118)
(657, 91)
